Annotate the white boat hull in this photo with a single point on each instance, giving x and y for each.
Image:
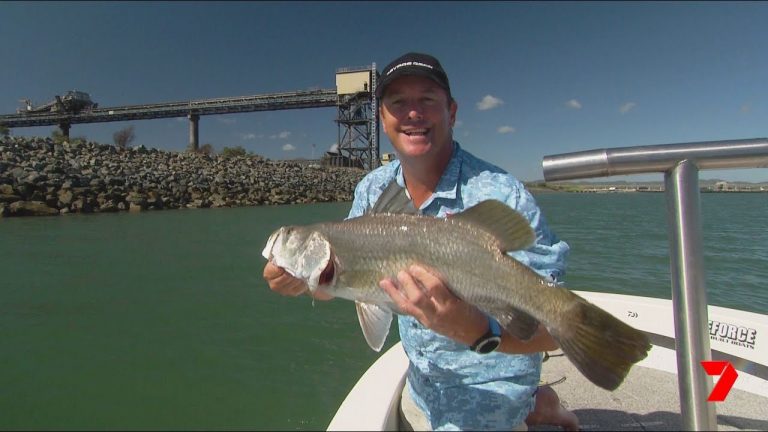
(736, 336)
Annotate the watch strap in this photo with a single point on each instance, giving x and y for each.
(490, 340)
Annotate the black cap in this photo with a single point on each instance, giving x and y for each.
(413, 64)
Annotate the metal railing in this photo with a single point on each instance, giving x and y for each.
(680, 164)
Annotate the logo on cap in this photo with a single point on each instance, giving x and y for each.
(416, 64)
(410, 63)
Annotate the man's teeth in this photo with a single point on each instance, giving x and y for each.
(416, 132)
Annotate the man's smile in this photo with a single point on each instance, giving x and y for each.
(416, 132)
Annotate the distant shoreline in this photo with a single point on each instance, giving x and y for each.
(40, 177)
(646, 187)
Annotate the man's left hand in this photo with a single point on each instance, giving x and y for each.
(422, 293)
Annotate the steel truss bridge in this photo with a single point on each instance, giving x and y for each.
(357, 120)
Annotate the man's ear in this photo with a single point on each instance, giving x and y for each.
(382, 123)
(452, 110)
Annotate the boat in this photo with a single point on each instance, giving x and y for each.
(738, 337)
(670, 388)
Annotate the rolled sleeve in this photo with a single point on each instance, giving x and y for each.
(548, 256)
(360, 203)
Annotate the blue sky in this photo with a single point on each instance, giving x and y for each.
(531, 79)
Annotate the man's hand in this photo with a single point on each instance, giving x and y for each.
(422, 293)
(281, 282)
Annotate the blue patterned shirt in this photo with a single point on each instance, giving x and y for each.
(456, 388)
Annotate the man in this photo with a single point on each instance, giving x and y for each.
(465, 372)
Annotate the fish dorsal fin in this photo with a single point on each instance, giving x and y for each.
(375, 322)
(512, 229)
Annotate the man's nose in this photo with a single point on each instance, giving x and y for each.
(415, 111)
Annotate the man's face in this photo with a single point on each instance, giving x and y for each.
(417, 117)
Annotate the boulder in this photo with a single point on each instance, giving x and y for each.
(81, 205)
(65, 197)
(9, 198)
(31, 208)
(108, 207)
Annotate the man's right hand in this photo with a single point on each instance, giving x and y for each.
(282, 282)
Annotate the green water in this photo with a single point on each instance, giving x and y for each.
(161, 320)
(619, 243)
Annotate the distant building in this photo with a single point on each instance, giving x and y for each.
(387, 158)
(339, 160)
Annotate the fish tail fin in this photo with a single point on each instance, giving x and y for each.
(600, 345)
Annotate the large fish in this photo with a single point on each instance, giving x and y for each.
(348, 259)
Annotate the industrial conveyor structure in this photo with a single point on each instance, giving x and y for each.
(354, 98)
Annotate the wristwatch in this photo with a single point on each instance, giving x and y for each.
(490, 340)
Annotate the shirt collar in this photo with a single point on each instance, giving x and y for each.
(446, 187)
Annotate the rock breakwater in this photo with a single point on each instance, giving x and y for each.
(40, 177)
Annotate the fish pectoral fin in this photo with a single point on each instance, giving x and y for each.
(375, 322)
(511, 228)
(516, 322)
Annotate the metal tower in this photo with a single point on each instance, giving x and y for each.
(358, 119)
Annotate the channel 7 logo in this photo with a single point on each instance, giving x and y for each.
(723, 386)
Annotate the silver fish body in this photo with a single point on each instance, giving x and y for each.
(348, 259)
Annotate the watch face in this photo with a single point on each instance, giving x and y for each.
(489, 345)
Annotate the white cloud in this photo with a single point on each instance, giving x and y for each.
(226, 120)
(627, 107)
(334, 148)
(247, 136)
(289, 147)
(489, 102)
(281, 135)
(505, 129)
(573, 103)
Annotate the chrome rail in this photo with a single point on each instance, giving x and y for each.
(680, 164)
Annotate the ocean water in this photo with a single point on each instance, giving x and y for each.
(162, 320)
(620, 243)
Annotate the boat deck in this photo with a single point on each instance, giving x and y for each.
(629, 408)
